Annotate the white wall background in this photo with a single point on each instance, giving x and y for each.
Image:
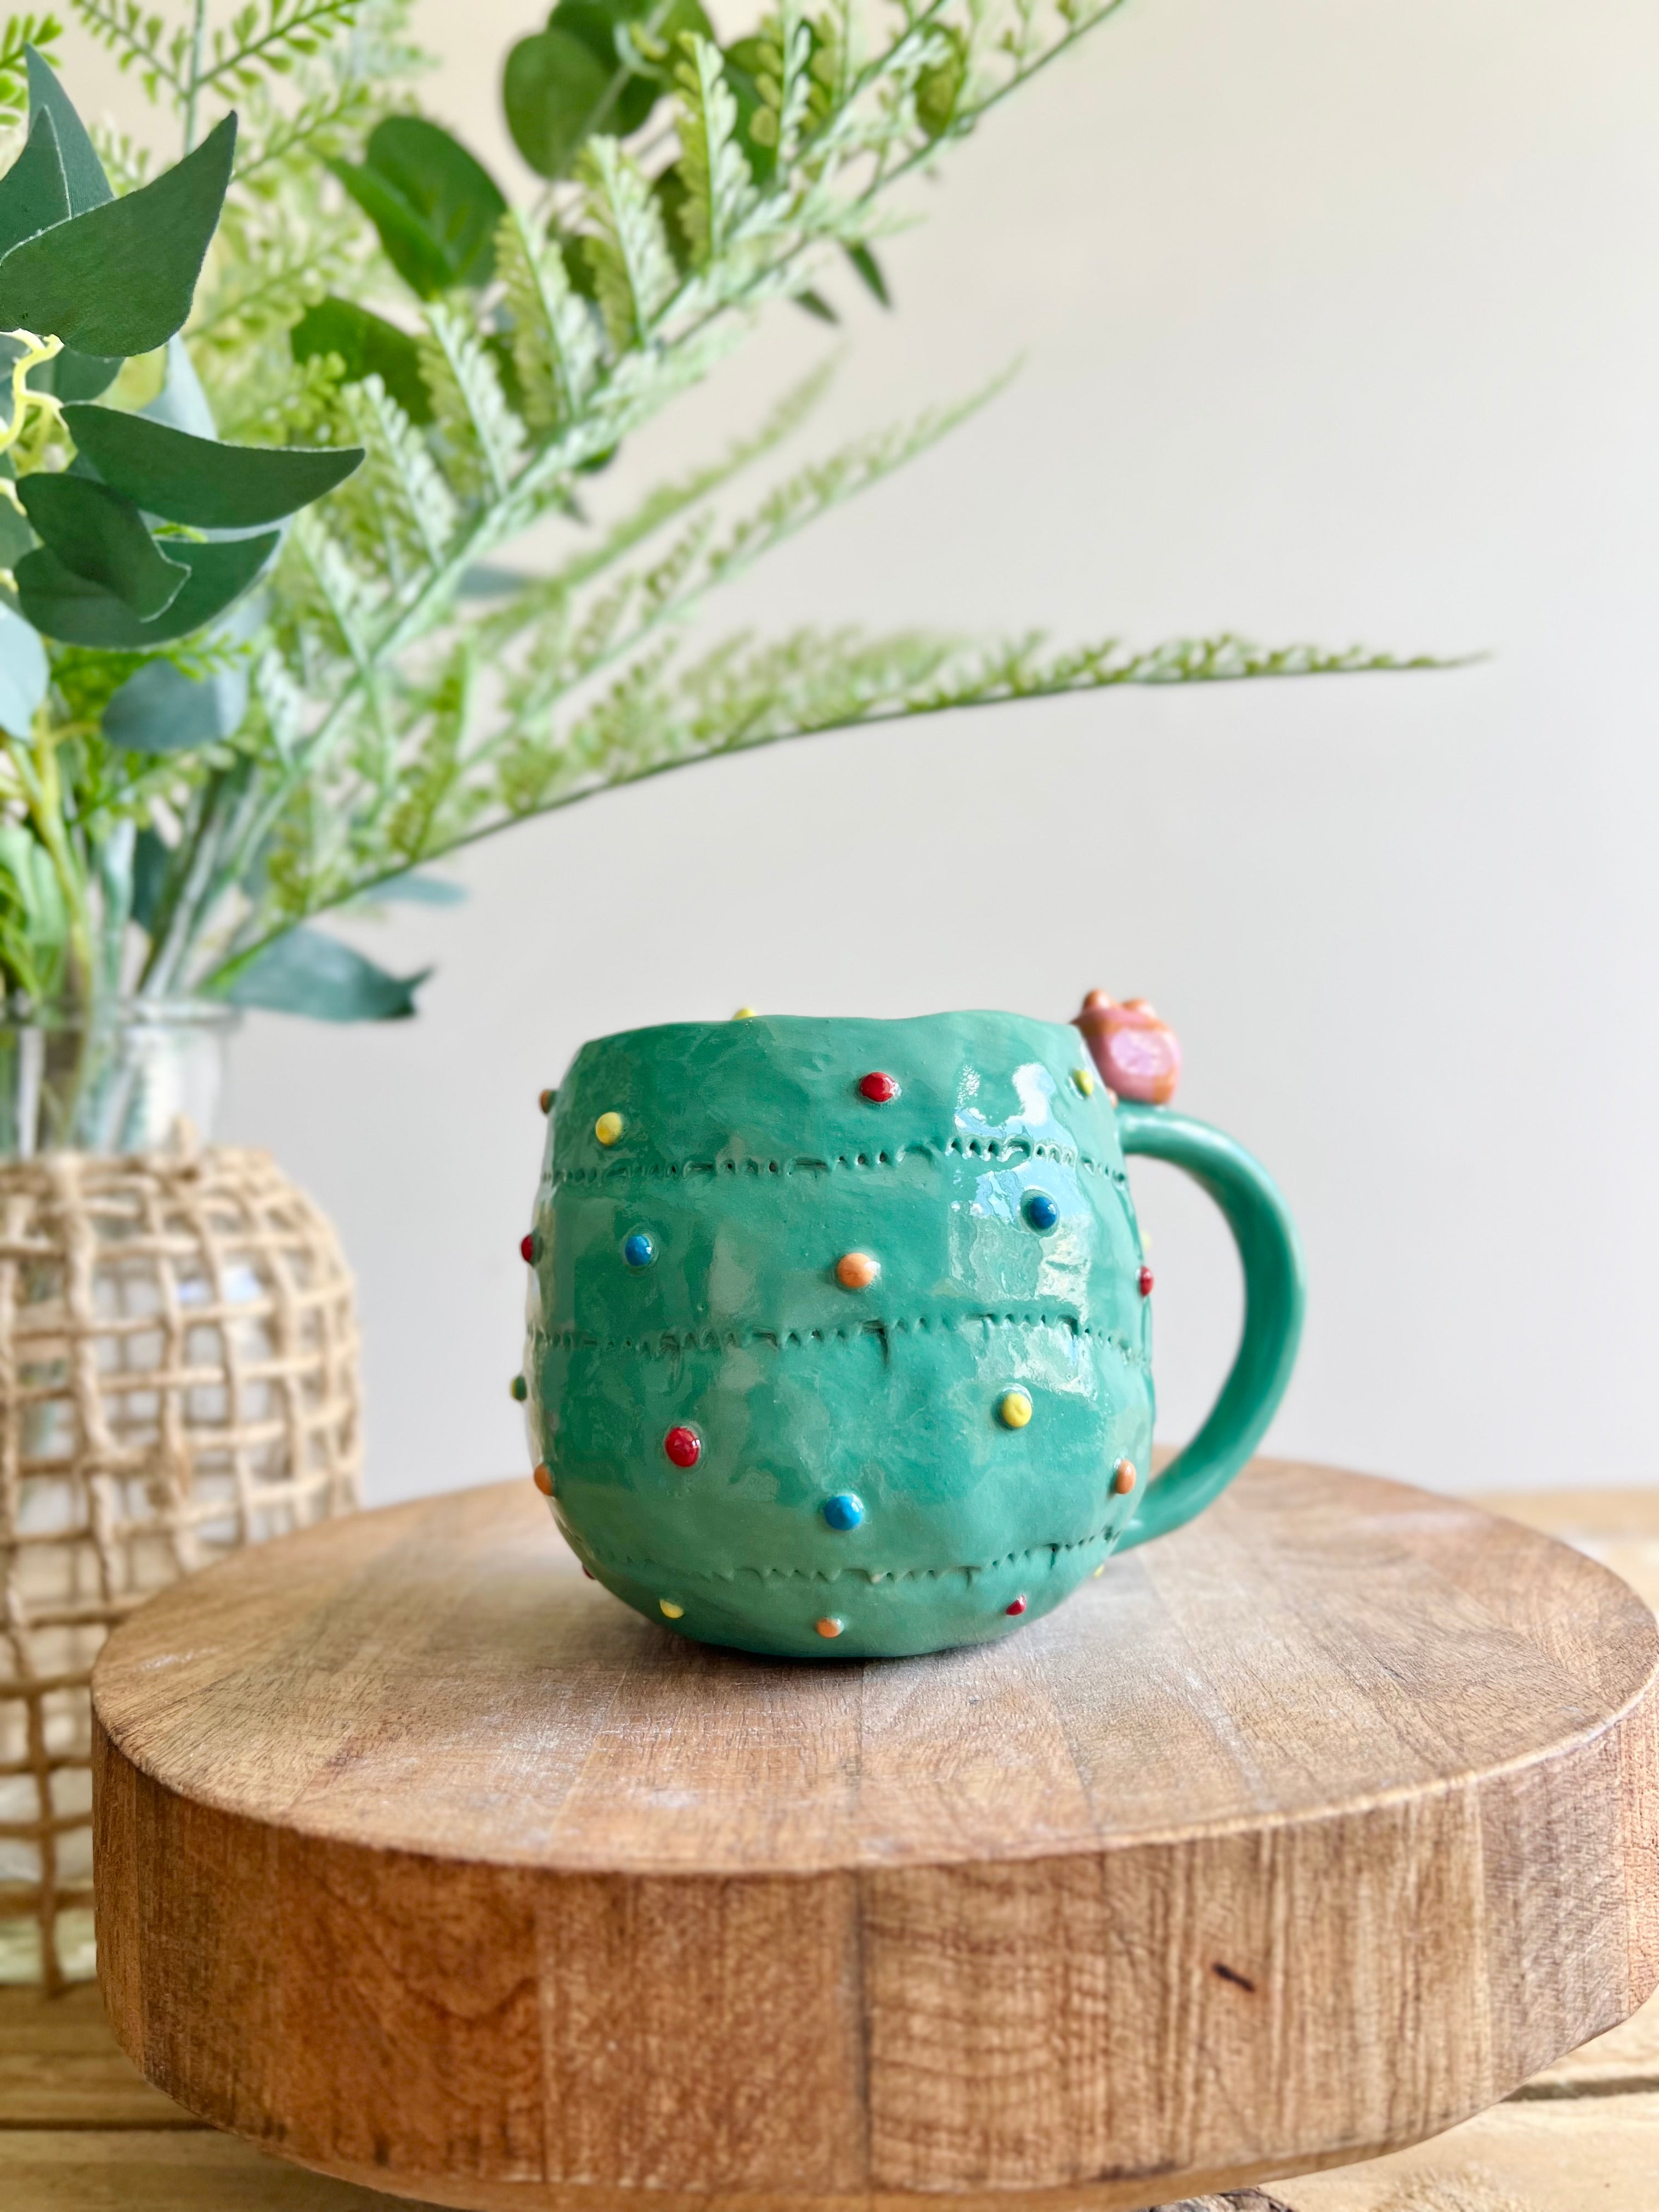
(1340, 322)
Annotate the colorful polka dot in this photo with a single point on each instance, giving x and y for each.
(545, 1100)
(856, 1270)
(608, 1128)
(519, 1388)
(589, 1572)
(684, 1446)
(1016, 1608)
(638, 1249)
(1040, 1210)
(1014, 1409)
(669, 1610)
(1124, 1477)
(843, 1512)
(744, 1014)
(1144, 1282)
(543, 1479)
(830, 1626)
(880, 1089)
(1085, 1079)
(528, 1248)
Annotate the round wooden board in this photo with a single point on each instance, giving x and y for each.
(1298, 1836)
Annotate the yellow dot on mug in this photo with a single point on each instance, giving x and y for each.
(669, 1610)
(1098, 1572)
(856, 1270)
(1085, 1079)
(1124, 1477)
(744, 1014)
(608, 1128)
(830, 1626)
(1014, 1409)
(543, 1479)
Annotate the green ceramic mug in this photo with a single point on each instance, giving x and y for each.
(840, 1332)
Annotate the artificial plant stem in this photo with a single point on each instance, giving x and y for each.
(193, 83)
(37, 771)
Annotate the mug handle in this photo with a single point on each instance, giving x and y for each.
(1271, 1255)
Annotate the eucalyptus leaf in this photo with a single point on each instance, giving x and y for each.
(88, 187)
(64, 606)
(102, 537)
(15, 536)
(34, 192)
(418, 891)
(200, 481)
(553, 90)
(163, 710)
(23, 672)
(436, 207)
(73, 375)
(119, 279)
(367, 345)
(307, 972)
(151, 858)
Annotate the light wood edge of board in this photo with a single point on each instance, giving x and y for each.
(750, 2014)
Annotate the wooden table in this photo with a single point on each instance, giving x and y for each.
(79, 2130)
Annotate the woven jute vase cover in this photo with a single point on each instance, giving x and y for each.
(177, 1377)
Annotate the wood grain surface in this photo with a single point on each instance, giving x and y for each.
(1303, 1833)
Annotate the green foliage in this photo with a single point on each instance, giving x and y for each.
(435, 207)
(18, 36)
(204, 777)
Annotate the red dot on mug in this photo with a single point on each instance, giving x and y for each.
(683, 1446)
(1144, 1279)
(527, 1250)
(880, 1089)
(1016, 1608)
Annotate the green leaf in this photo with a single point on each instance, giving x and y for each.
(197, 480)
(939, 88)
(23, 672)
(64, 606)
(554, 91)
(436, 207)
(119, 279)
(816, 304)
(163, 710)
(74, 375)
(151, 859)
(84, 173)
(307, 973)
(102, 538)
(418, 891)
(33, 193)
(367, 345)
(15, 536)
(870, 270)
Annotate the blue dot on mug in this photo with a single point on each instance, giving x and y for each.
(844, 1511)
(638, 1249)
(1040, 1210)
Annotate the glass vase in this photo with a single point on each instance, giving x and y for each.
(122, 1078)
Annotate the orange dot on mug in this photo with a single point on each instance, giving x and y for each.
(830, 1626)
(1124, 1477)
(856, 1270)
(543, 1479)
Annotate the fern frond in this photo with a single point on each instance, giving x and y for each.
(273, 40)
(718, 192)
(480, 437)
(156, 53)
(633, 270)
(17, 34)
(555, 352)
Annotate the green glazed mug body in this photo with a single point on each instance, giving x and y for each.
(839, 1340)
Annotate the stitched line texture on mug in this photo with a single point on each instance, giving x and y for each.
(1050, 1551)
(1011, 1152)
(670, 1344)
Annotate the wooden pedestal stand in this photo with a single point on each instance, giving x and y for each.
(1300, 1835)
